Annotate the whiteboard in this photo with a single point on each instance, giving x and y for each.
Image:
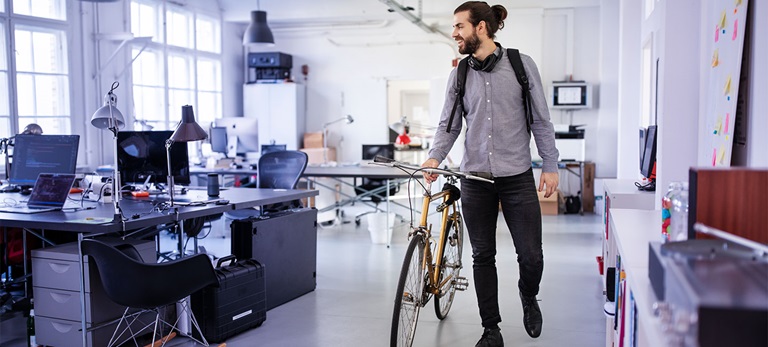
(725, 23)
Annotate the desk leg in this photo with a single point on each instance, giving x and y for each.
(581, 187)
(389, 227)
(82, 287)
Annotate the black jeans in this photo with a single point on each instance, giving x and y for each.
(520, 206)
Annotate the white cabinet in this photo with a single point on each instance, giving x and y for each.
(279, 107)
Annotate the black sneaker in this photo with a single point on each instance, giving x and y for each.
(531, 315)
(491, 338)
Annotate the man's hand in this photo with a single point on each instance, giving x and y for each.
(430, 163)
(548, 180)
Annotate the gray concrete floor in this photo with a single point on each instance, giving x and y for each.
(352, 304)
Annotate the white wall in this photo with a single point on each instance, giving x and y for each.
(352, 67)
(628, 148)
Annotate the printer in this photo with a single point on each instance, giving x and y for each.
(569, 140)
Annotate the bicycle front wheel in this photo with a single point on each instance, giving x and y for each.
(451, 266)
(409, 296)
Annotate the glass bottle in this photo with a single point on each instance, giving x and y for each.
(679, 230)
(666, 209)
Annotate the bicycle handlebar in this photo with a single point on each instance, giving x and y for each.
(384, 161)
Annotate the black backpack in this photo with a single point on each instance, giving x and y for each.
(522, 78)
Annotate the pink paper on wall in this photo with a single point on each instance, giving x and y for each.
(735, 29)
(717, 33)
(727, 120)
(714, 156)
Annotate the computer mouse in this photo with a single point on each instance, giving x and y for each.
(26, 191)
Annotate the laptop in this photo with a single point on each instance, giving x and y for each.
(49, 194)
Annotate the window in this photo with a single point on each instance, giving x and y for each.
(51, 9)
(34, 68)
(185, 71)
(42, 84)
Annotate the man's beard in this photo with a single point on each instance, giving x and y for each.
(471, 44)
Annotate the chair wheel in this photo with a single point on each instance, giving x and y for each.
(357, 221)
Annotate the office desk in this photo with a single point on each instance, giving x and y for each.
(98, 221)
(392, 175)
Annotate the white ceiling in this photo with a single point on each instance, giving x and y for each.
(282, 13)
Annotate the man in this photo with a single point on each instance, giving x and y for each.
(497, 146)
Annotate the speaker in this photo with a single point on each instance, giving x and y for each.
(610, 284)
(270, 60)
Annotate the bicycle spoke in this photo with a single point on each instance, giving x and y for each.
(408, 299)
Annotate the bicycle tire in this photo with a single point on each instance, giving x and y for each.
(451, 265)
(409, 294)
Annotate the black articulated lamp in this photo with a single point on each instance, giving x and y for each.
(187, 131)
(258, 32)
(108, 117)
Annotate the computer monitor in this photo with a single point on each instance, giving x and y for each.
(218, 138)
(272, 148)
(242, 134)
(36, 154)
(647, 168)
(371, 151)
(141, 157)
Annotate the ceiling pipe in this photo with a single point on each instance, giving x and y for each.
(414, 19)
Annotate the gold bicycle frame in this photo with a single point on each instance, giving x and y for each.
(434, 276)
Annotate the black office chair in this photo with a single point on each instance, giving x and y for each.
(130, 282)
(373, 190)
(279, 170)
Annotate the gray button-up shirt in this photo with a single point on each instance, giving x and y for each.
(497, 140)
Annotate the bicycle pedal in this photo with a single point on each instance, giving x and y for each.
(460, 283)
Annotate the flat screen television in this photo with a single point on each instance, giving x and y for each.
(242, 134)
(648, 165)
(36, 154)
(272, 148)
(371, 151)
(570, 95)
(141, 157)
(218, 138)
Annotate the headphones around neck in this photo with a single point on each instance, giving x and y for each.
(487, 64)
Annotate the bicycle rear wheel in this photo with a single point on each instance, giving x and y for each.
(451, 267)
(410, 294)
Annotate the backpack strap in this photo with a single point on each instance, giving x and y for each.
(461, 79)
(522, 78)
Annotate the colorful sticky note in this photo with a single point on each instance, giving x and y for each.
(738, 2)
(735, 27)
(714, 156)
(716, 58)
(727, 88)
(717, 33)
(723, 20)
(718, 126)
(721, 155)
(727, 119)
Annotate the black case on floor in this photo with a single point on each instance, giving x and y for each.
(286, 243)
(237, 305)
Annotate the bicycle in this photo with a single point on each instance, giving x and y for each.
(431, 267)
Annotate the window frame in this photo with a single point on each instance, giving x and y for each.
(10, 21)
(171, 115)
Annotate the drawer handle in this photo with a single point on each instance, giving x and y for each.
(60, 268)
(61, 298)
(62, 328)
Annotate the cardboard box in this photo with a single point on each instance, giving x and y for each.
(549, 206)
(313, 140)
(316, 154)
(588, 184)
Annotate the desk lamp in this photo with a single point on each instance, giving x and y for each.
(108, 117)
(346, 118)
(187, 131)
